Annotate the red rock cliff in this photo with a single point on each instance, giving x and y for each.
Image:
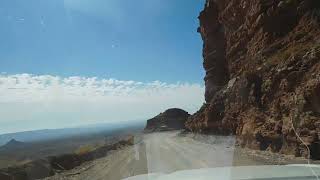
(262, 62)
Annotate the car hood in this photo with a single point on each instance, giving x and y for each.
(298, 171)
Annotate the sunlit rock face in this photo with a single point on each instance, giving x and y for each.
(262, 62)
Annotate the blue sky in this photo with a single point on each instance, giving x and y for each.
(141, 40)
(73, 62)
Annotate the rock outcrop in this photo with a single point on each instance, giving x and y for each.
(171, 119)
(262, 62)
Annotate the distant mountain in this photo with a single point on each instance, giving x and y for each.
(13, 144)
(49, 134)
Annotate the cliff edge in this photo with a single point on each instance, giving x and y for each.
(262, 63)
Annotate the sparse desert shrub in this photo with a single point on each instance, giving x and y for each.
(284, 54)
(291, 2)
(85, 149)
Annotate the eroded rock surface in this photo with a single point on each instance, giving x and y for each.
(262, 62)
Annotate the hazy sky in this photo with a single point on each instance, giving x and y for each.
(72, 62)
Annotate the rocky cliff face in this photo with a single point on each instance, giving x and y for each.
(262, 62)
(171, 119)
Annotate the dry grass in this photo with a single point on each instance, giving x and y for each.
(85, 149)
(295, 50)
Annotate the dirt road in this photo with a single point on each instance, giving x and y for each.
(156, 153)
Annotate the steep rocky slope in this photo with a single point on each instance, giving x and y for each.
(262, 62)
(171, 119)
(45, 167)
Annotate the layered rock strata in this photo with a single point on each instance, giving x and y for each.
(262, 62)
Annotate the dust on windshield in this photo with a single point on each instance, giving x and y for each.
(159, 89)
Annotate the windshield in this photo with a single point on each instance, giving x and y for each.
(159, 89)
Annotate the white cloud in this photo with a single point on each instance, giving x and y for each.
(33, 102)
